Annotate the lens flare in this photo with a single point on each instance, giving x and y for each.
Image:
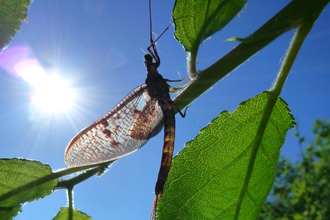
(51, 93)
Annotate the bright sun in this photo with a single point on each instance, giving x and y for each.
(52, 94)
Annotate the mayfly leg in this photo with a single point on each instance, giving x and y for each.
(158, 89)
(152, 41)
(183, 115)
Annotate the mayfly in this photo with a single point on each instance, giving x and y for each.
(131, 123)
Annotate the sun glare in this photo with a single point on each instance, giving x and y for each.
(53, 94)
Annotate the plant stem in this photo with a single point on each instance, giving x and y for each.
(47, 178)
(70, 202)
(70, 183)
(292, 16)
(290, 57)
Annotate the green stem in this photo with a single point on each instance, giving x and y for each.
(70, 201)
(193, 55)
(296, 12)
(70, 183)
(47, 178)
(208, 77)
(291, 55)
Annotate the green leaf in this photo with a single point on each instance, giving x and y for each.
(9, 213)
(77, 215)
(12, 12)
(212, 178)
(197, 20)
(18, 172)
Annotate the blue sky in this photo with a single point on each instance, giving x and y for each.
(97, 48)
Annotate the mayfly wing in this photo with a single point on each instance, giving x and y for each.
(123, 130)
(142, 126)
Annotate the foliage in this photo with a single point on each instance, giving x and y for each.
(214, 168)
(256, 119)
(77, 215)
(302, 190)
(301, 13)
(11, 14)
(16, 173)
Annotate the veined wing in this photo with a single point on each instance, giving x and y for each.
(123, 130)
(142, 128)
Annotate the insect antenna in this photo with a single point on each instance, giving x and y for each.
(154, 54)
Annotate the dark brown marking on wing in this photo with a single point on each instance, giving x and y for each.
(115, 143)
(143, 125)
(109, 137)
(107, 133)
(104, 122)
(136, 112)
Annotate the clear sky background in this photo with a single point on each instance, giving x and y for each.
(97, 48)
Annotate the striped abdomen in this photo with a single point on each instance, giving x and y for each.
(168, 147)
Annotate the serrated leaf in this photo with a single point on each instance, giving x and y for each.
(76, 215)
(18, 172)
(208, 179)
(197, 20)
(12, 12)
(9, 213)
